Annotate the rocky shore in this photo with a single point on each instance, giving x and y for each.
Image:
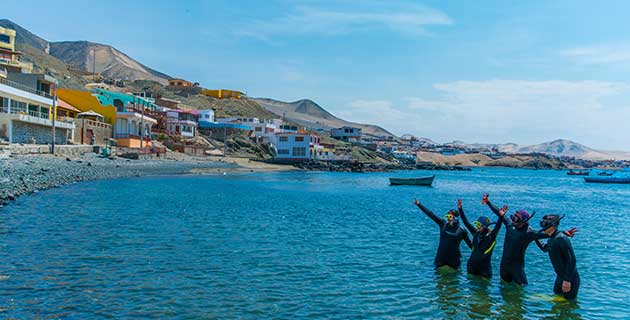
(26, 174)
(346, 166)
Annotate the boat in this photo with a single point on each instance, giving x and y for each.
(571, 172)
(423, 181)
(604, 173)
(607, 179)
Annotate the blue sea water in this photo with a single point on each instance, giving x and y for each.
(297, 245)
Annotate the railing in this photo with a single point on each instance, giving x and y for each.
(24, 88)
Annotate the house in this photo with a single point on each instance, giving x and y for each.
(168, 103)
(295, 146)
(176, 82)
(205, 116)
(26, 115)
(348, 134)
(223, 94)
(181, 122)
(9, 58)
(134, 118)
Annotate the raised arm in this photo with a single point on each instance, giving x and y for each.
(467, 239)
(496, 209)
(428, 212)
(497, 227)
(541, 246)
(467, 223)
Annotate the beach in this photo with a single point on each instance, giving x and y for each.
(24, 174)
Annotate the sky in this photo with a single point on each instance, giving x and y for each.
(490, 71)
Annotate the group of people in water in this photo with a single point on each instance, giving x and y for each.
(519, 234)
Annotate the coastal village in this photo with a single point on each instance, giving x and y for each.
(118, 118)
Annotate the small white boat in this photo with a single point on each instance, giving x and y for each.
(423, 181)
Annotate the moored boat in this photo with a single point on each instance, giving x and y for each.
(423, 181)
(607, 179)
(572, 172)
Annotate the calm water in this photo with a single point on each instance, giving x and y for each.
(296, 245)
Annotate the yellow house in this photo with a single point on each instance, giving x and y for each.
(8, 56)
(223, 94)
(85, 101)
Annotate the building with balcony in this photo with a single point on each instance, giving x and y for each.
(9, 58)
(26, 116)
(181, 123)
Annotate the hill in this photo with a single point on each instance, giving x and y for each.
(308, 113)
(110, 62)
(77, 59)
(558, 148)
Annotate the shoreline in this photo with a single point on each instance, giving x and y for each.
(26, 174)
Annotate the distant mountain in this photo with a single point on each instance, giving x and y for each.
(560, 148)
(308, 113)
(110, 62)
(79, 55)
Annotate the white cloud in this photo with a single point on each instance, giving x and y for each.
(600, 54)
(527, 112)
(318, 21)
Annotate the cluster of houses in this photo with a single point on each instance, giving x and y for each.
(34, 111)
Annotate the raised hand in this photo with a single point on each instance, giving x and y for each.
(484, 200)
(416, 202)
(571, 232)
(503, 210)
(459, 204)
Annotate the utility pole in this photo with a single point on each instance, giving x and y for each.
(141, 124)
(54, 115)
(94, 64)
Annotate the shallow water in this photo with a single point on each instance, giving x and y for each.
(296, 245)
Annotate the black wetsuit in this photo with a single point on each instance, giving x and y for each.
(451, 235)
(514, 246)
(480, 261)
(563, 260)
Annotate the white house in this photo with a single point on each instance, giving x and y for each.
(295, 145)
(348, 134)
(181, 122)
(206, 116)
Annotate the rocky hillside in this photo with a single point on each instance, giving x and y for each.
(77, 58)
(310, 114)
(110, 62)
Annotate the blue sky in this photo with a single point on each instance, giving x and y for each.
(491, 71)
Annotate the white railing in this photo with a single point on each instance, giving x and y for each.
(25, 88)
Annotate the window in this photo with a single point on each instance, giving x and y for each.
(5, 39)
(299, 152)
(258, 129)
(299, 139)
(283, 151)
(284, 139)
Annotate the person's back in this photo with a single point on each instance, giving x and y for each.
(448, 252)
(562, 257)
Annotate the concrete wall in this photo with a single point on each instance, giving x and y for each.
(101, 131)
(23, 132)
(67, 150)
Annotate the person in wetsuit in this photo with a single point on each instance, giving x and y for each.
(562, 257)
(451, 235)
(518, 236)
(483, 242)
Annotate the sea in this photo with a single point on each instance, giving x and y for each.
(299, 245)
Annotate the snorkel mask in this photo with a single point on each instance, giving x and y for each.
(451, 216)
(521, 218)
(482, 223)
(550, 220)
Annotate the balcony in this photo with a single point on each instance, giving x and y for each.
(36, 117)
(22, 87)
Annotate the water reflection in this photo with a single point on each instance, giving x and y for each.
(479, 303)
(449, 293)
(513, 306)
